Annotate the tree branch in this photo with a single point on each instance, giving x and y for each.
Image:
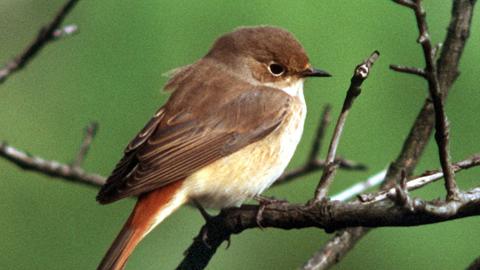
(360, 74)
(431, 75)
(49, 167)
(316, 165)
(90, 132)
(409, 70)
(328, 215)
(312, 164)
(320, 134)
(447, 70)
(426, 178)
(46, 34)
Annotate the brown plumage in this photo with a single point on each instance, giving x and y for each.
(226, 133)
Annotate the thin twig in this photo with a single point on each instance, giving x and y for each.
(312, 163)
(441, 121)
(409, 70)
(426, 178)
(316, 165)
(46, 34)
(49, 167)
(90, 132)
(360, 74)
(324, 121)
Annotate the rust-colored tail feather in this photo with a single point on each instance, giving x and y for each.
(151, 209)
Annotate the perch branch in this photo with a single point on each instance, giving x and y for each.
(328, 215)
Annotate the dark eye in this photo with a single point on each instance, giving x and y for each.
(276, 69)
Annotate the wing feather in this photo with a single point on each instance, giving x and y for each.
(169, 150)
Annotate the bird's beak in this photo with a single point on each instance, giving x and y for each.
(314, 72)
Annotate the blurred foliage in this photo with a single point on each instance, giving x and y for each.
(111, 72)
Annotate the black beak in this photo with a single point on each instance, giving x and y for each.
(313, 72)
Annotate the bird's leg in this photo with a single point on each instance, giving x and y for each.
(202, 210)
(263, 202)
(207, 218)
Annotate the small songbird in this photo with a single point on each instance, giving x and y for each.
(227, 132)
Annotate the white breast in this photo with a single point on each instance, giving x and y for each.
(291, 135)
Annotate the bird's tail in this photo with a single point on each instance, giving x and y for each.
(151, 209)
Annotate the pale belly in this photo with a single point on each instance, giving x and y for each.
(248, 172)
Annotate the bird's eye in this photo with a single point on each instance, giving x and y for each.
(276, 69)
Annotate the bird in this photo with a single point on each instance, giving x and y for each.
(227, 131)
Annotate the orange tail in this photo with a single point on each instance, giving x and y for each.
(151, 209)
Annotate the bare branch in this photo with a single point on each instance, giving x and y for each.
(316, 165)
(324, 121)
(335, 249)
(46, 34)
(409, 70)
(313, 164)
(344, 240)
(421, 181)
(447, 69)
(360, 74)
(441, 121)
(49, 167)
(407, 3)
(90, 132)
(328, 215)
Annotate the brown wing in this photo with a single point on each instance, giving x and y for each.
(176, 143)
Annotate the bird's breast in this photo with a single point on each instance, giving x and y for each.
(233, 179)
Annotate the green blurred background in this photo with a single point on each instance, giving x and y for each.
(111, 72)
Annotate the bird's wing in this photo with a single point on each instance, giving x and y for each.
(174, 144)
